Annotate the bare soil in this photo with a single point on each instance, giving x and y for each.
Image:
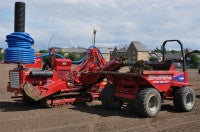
(16, 116)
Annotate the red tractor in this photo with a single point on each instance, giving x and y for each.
(55, 83)
(148, 89)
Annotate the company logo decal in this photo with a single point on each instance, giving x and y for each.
(160, 79)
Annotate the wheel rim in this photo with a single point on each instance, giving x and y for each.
(153, 104)
(189, 100)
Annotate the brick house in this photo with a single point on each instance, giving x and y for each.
(134, 52)
(137, 51)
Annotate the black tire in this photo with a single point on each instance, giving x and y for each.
(184, 99)
(107, 98)
(148, 102)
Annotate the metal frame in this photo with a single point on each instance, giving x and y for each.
(182, 51)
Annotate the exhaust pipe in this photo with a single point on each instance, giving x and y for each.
(19, 22)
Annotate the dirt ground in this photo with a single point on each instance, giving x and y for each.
(16, 116)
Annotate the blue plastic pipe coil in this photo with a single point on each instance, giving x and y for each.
(19, 48)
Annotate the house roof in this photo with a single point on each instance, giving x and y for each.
(139, 46)
(124, 49)
(173, 56)
(105, 50)
(153, 55)
(156, 54)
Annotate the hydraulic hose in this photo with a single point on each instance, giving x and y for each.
(97, 48)
(81, 60)
(74, 62)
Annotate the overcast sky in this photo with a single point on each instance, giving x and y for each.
(118, 22)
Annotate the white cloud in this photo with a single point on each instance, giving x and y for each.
(117, 21)
(95, 3)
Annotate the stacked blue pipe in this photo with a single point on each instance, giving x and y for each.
(19, 43)
(19, 48)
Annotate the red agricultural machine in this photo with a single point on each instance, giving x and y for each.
(147, 89)
(55, 83)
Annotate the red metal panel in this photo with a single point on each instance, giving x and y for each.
(37, 64)
(63, 64)
(125, 96)
(159, 81)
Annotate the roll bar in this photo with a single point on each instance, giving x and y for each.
(182, 52)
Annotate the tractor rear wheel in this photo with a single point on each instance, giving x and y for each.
(184, 99)
(107, 98)
(148, 102)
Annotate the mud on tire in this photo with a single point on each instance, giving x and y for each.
(108, 100)
(184, 99)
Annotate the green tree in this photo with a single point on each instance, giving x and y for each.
(46, 58)
(153, 59)
(61, 53)
(1, 56)
(195, 60)
(44, 51)
(70, 56)
(75, 56)
(157, 50)
(174, 51)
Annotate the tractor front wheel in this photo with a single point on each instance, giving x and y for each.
(184, 99)
(148, 102)
(107, 98)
